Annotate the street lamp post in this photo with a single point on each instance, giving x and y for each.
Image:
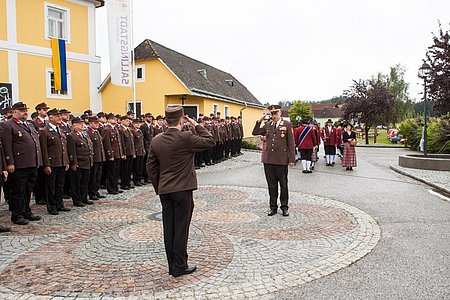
(424, 71)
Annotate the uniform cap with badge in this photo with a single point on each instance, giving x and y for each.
(53, 112)
(19, 106)
(41, 106)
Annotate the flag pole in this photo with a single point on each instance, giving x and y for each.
(133, 62)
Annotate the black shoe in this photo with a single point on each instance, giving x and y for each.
(185, 272)
(113, 193)
(20, 221)
(64, 209)
(285, 213)
(120, 191)
(54, 213)
(272, 212)
(100, 196)
(137, 184)
(308, 172)
(131, 187)
(125, 188)
(304, 171)
(93, 198)
(79, 205)
(351, 168)
(5, 229)
(312, 168)
(197, 168)
(88, 202)
(33, 217)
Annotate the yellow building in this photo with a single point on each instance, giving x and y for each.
(26, 73)
(165, 77)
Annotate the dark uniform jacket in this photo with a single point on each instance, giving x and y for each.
(112, 142)
(97, 145)
(241, 130)
(235, 131)
(158, 129)
(229, 135)
(170, 164)
(215, 133)
(138, 137)
(3, 166)
(280, 146)
(148, 131)
(330, 138)
(39, 124)
(79, 147)
(127, 140)
(54, 147)
(21, 144)
(65, 128)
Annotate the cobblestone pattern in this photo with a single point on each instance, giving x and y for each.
(114, 250)
(439, 178)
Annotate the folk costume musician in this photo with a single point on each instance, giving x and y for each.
(330, 140)
(278, 155)
(305, 138)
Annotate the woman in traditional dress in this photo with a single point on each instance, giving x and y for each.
(349, 140)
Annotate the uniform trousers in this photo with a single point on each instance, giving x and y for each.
(113, 171)
(54, 188)
(21, 186)
(127, 169)
(138, 165)
(234, 147)
(144, 167)
(277, 174)
(39, 189)
(177, 211)
(240, 146)
(227, 148)
(79, 181)
(95, 178)
(66, 184)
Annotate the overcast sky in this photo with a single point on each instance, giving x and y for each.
(291, 49)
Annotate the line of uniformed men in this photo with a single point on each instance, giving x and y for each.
(227, 133)
(56, 154)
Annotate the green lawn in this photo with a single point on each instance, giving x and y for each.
(381, 138)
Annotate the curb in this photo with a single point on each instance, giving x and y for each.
(436, 186)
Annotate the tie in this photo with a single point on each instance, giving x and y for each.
(57, 130)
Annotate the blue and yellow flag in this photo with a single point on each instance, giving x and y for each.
(59, 64)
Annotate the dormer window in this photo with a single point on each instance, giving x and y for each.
(203, 73)
(230, 82)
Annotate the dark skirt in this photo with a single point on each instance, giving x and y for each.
(349, 159)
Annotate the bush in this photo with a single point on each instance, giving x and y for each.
(411, 129)
(248, 145)
(439, 135)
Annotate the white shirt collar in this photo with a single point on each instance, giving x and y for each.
(42, 119)
(52, 126)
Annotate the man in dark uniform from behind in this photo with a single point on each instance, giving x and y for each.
(23, 156)
(170, 167)
(55, 160)
(279, 154)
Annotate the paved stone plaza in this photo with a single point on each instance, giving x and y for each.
(114, 249)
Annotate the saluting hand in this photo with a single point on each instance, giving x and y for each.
(192, 121)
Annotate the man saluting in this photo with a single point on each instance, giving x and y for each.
(170, 167)
(279, 153)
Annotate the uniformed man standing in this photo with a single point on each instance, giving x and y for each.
(170, 167)
(55, 161)
(114, 154)
(23, 156)
(138, 161)
(40, 123)
(79, 147)
(280, 152)
(95, 175)
(128, 151)
(148, 131)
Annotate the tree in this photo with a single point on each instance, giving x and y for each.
(300, 110)
(438, 57)
(403, 104)
(369, 101)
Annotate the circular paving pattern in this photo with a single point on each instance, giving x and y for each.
(113, 248)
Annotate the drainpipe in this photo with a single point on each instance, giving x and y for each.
(240, 112)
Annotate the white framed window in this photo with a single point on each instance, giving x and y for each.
(50, 86)
(130, 107)
(57, 22)
(215, 109)
(226, 111)
(140, 73)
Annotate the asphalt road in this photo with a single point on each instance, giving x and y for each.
(412, 258)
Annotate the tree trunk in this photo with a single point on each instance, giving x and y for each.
(366, 132)
(375, 135)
